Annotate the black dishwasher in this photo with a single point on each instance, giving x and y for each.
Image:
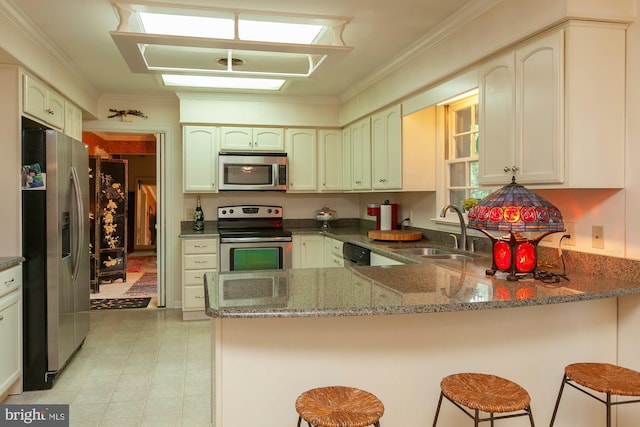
(355, 255)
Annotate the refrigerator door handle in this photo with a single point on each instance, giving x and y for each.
(79, 212)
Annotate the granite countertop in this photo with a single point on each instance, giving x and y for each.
(421, 287)
(8, 262)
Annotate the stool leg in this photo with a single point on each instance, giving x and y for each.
(476, 419)
(555, 410)
(435, 420)
(608, 409)
(528, 409)
(491, 417)
(299, 420)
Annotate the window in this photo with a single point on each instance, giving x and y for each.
(461, 151)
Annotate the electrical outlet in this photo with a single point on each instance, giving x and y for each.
(570, 230)
(597, 237)
(190, 213)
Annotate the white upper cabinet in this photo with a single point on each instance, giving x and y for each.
(73, 121)
(302, 159)
(346, 158)
(361, 155)
(42, 103)
(200, 157)
(386, 143)
(252, 139)
(330, 152)
(552, 110)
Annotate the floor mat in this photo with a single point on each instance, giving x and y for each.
(145, 285)
(117, 303)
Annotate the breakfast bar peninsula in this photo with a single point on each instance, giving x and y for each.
(397, 330)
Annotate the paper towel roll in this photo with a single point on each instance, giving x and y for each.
(385, 217)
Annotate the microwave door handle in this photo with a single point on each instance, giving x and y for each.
(274, 172)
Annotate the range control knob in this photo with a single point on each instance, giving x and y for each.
(224, 212)
(231, 211)
(269, 210)
(277, 211)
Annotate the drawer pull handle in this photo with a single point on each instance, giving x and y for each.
(201, 262)
(1, 317)
(9, 282)
(200, 246)
(199, 297)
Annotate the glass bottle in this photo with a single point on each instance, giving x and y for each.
(198, 217)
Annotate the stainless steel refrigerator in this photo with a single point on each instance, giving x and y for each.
(55, 242)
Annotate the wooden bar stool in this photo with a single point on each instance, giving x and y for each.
(339, 407)
(486, 393)
(602, 377)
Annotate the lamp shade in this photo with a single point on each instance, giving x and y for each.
(513, 208)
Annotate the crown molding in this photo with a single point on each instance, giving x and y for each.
(442, 31)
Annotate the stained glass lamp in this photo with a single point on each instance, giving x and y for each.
(514, 209)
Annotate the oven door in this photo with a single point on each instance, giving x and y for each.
(255, 255)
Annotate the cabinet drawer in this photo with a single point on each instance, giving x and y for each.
(336, 247)
(201, 246)
(193, 298)
(195, 277)
(201, 262)
(10, 280)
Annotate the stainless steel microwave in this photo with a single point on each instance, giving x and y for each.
(252, 172)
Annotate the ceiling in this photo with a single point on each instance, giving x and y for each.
(381, 33)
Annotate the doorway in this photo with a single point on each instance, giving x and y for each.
(138, 151)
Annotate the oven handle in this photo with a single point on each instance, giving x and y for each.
(254, 239)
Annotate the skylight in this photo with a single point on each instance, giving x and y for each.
(222, 82)
(223, 28)
(226, 48)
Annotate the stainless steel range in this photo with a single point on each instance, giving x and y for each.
(252, 238)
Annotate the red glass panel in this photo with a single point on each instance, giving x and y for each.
(502, 255)
(525, 257)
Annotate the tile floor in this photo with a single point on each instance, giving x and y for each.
(137, 367)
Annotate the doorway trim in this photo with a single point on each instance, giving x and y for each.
(164, 139)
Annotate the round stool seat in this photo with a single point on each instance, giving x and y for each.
(605, 378)
(488, 393)
(339, 406)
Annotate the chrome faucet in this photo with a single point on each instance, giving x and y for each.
(463, 227)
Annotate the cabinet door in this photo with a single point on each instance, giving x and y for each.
(346, 158)
(199, 155)
(497, 135)
(73, 121)
(42, 103)
(361, 155)
(236, 138)
(10, 337)
(386, 143)
(56, 110)
(308, 251)
(330, 159)
(268, 139)
(539, 110)
(301, 152)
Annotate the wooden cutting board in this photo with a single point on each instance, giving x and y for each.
(395, 235)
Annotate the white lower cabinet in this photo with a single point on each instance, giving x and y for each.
(333, 253)
(10, 330)
(199, 256)
(308, 251)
